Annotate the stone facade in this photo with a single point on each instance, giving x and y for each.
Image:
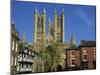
(14, 49)
(38, 64)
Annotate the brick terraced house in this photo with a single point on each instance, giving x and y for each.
(88, 54)
(73, 59)
(82, 57)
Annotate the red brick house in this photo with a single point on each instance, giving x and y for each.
(88, 54)
(88, 57)
(73, 59)
(81, 58)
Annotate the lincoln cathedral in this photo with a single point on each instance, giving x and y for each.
(55, 28)
(55, 32)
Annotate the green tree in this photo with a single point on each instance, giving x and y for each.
(52, 55)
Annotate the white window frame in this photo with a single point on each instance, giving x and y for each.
(83, 57)
(15, 62)
(94, 49)
(16, 46)
(72, 56)
(12, 59)
(84, 50)
(72, 65)
(13, 44)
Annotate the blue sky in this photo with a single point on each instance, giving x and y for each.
(79, 19)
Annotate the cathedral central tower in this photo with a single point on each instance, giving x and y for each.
(39, 29)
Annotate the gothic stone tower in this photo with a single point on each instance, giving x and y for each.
(72, 43)
(39, 29)
(24, 39)
(59, 36)
(59, 26)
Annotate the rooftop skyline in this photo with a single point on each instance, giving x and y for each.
(79, 19)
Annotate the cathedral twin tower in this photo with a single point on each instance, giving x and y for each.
(55, 29)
